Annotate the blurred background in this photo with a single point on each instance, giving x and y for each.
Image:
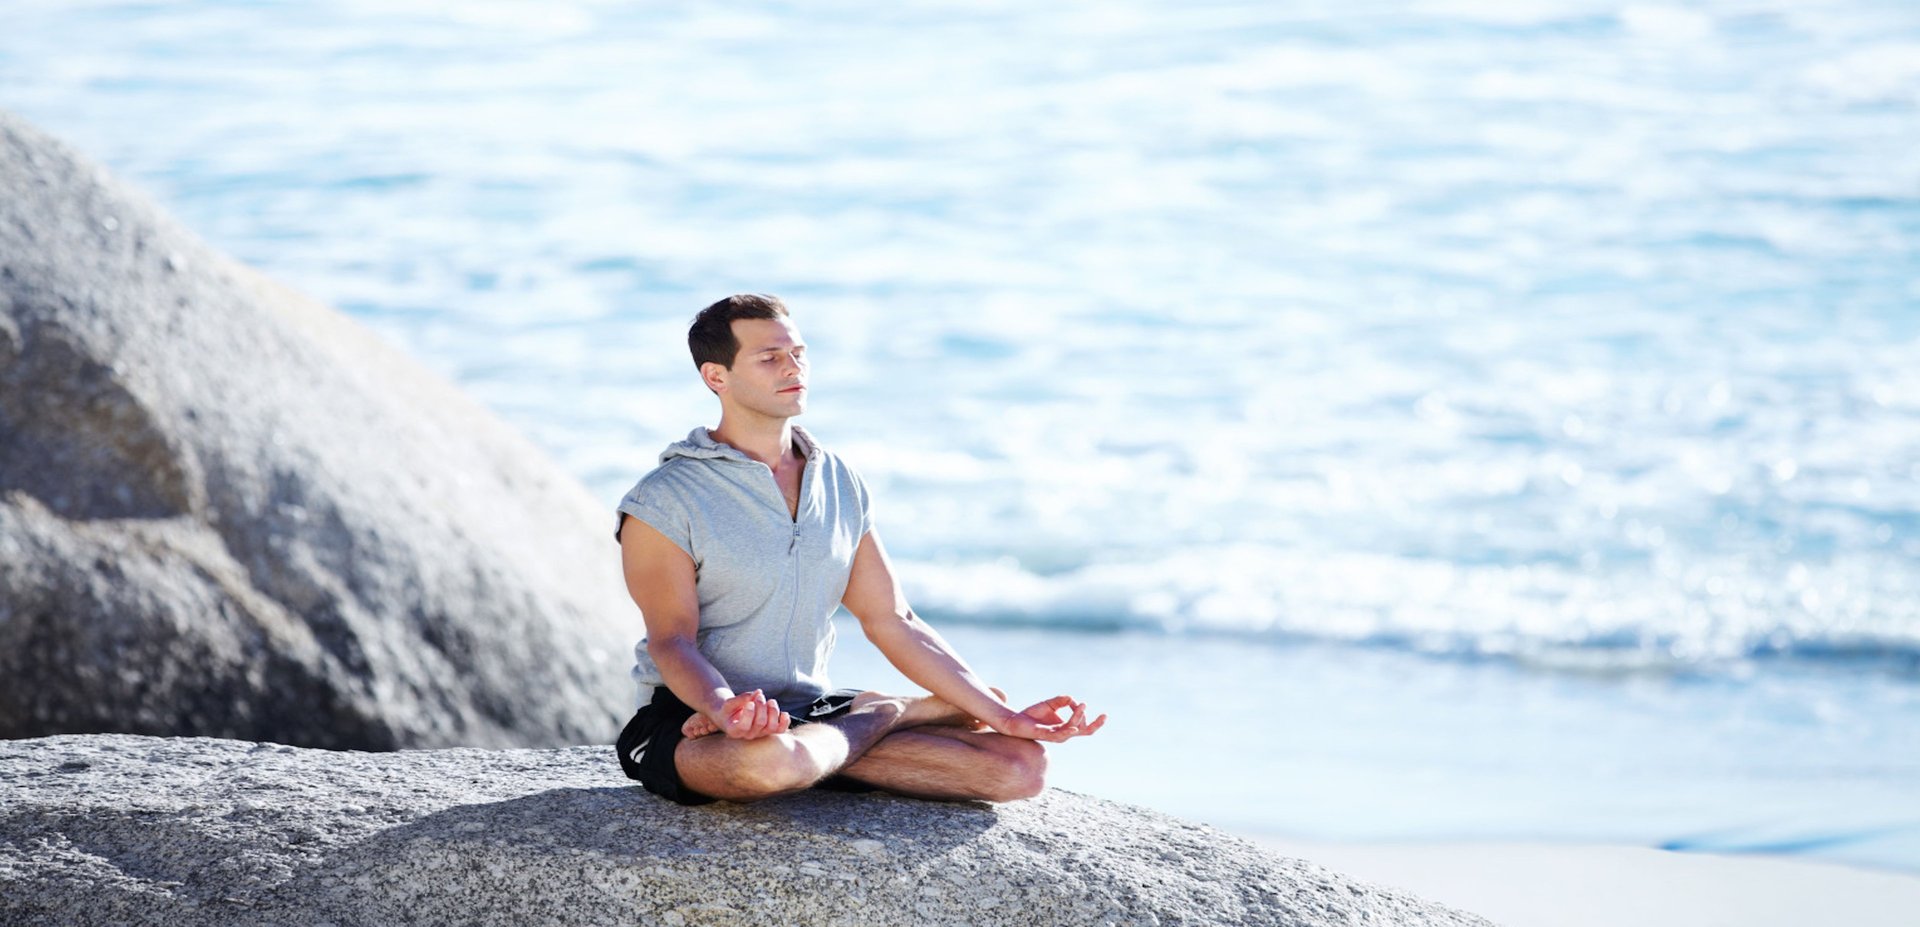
(1408, 420)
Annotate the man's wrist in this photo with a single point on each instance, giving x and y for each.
(717, 703)
(1003, 719)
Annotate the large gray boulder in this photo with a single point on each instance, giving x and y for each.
(124, 830)
(228, 510)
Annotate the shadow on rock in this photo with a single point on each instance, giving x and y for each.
(627, 855)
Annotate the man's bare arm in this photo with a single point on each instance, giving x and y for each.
(660, 577)
(922, 655)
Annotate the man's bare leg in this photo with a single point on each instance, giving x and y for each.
(747, 770)
(952, 763)
(913, 746)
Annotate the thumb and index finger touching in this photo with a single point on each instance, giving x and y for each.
(1042, 721)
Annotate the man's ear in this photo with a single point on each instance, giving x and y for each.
(714, 375)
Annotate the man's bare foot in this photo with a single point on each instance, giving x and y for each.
(928, 710)
(698, 726)
(868, 698)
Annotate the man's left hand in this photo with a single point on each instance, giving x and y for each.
(1042, 721)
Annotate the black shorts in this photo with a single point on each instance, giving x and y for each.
(647, 745)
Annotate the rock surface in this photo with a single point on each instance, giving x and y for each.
(117, 829)
(228, 510)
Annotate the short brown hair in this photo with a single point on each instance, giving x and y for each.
(711, 337)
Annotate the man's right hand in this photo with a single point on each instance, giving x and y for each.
(747, 716)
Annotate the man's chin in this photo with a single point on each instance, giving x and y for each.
(781, 410)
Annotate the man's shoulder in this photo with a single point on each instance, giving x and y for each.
(821, 450)
(673, 476)
(838, 468)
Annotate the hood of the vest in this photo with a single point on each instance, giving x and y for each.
(699, 444)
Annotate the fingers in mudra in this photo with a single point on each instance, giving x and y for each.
(1048, 712)
(1078, 726)
(777, 720)
(752, 715)
(1049, 726)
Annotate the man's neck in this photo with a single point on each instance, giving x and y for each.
(768, 440)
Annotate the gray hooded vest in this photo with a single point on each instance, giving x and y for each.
(768, 581)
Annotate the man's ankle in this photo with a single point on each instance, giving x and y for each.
(934, 711)
(918, 710)
(881, 703)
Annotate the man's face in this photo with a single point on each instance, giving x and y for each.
(769, 375)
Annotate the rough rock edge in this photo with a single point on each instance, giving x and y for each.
(123, 829)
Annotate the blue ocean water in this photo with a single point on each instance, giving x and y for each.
(1434, 419)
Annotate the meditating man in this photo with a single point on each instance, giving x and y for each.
(737, 548)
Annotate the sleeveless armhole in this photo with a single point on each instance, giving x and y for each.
(865, 501)
(645, 504)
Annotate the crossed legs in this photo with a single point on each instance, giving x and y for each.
(911, 746)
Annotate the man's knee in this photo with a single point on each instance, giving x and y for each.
(1023, 770)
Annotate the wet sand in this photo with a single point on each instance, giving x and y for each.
(1551, 885)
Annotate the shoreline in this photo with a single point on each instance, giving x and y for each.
(1590, 885)
(1392, 748)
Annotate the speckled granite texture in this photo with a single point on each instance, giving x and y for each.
(122, 829)
(228, 510)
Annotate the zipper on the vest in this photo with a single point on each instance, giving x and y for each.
(800, 506)
(793, 605)
(793, 558)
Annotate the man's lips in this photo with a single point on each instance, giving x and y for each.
(794, 389)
